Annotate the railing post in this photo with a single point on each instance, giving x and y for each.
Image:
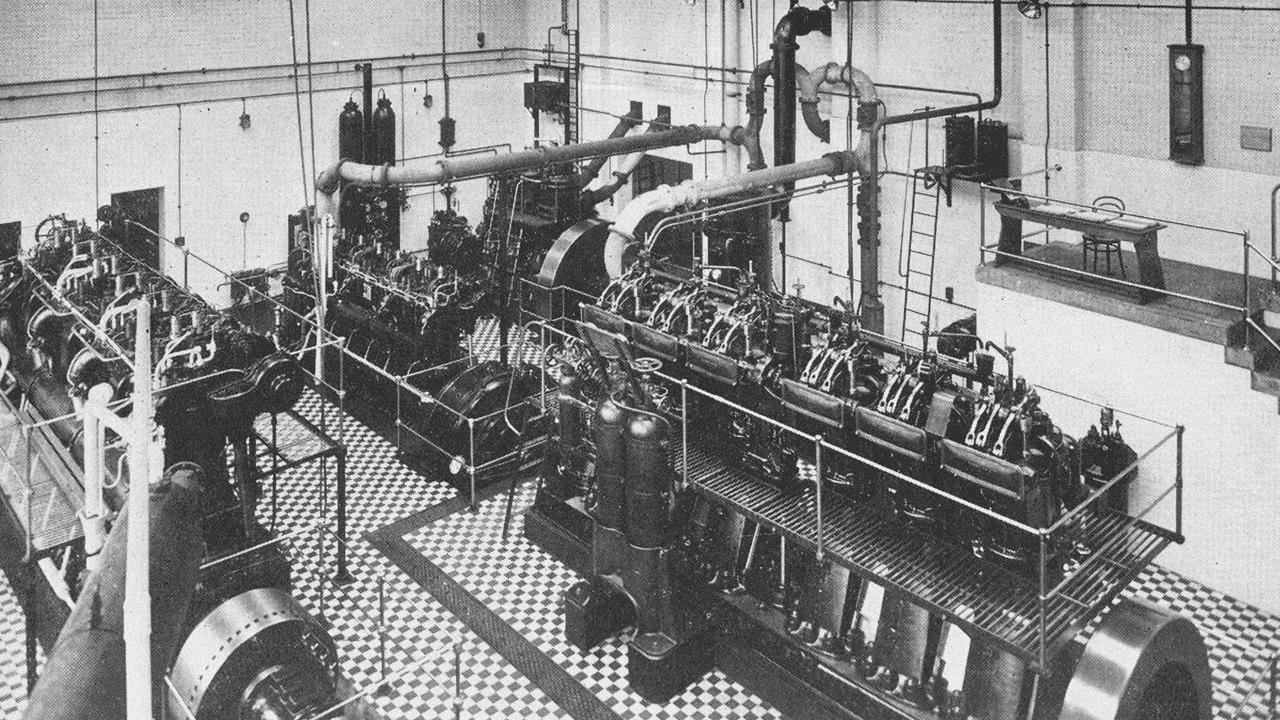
(457, 680)
(471, 460)
(542, 379)
(399, 416)
(1178, 481)
(1044, 590)
(1246, 300)
(684, 430)
(817, 455)
(382, 627)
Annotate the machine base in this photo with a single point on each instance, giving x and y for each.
(660, 677)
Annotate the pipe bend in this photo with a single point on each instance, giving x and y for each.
(329, 178)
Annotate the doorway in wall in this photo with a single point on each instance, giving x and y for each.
(143, 207)
(10, 240)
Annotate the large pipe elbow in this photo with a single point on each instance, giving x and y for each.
(831, 75)
(798, 21)
(755, 113)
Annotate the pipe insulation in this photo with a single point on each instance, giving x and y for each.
(666, 198)
(831, 75)
(449, 169)
(83, 678)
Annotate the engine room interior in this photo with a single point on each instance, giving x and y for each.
(692, 359)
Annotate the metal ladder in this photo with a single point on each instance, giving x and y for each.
(573, 69)
(922, 241)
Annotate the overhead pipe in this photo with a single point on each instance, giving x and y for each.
(666, 198)
(449, 169)
(632, 119)
(797, 22)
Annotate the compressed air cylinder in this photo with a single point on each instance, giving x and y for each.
(611, 464)
(351, 133)
(648, 483)
(568, 411)
(384, 134)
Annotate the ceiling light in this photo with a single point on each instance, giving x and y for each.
(1032, 9)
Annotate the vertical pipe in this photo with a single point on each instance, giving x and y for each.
(93, 514)
(137, 622)
(851, 200)
(1188, 22)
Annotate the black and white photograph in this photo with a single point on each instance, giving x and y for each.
(617, 360)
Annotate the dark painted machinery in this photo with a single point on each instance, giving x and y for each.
(405, 315)
(220, 592)
(951, 502)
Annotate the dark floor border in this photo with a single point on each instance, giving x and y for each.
(576, 700)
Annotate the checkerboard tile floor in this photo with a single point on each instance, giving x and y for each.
(525, 586)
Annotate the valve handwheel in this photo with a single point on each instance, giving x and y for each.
(646, 365)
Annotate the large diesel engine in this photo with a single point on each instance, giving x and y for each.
(873, 519)
(223, 616)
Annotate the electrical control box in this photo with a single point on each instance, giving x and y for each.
(961, 137)
(1186, 104)
(549, 96)
(993, 150)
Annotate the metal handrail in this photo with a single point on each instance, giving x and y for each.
(1243, 308)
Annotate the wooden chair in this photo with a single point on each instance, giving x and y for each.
(1095, 247)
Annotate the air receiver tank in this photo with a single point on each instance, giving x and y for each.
(384, 133)
(611, 465)
(351, 132)
(648, 483)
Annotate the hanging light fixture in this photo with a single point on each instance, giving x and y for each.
(1033, 9)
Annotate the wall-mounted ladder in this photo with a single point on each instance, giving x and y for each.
(573, 72)
(922, 242)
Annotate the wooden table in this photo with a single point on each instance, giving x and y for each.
(1103, 225)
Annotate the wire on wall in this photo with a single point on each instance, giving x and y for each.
(96, 163)
(179, 169)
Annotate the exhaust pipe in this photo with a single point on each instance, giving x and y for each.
(623, 242)
(798, 21)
